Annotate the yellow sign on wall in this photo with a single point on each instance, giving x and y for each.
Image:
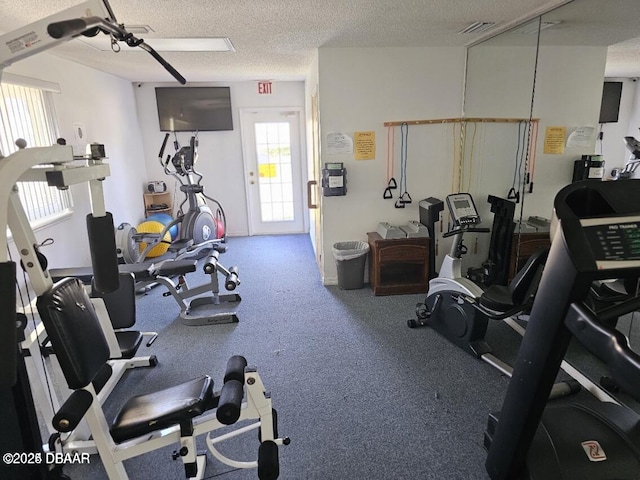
(365, 145)
(554, 140)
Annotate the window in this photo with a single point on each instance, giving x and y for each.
(27, 111)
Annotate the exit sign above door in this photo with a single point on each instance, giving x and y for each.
(264, 88)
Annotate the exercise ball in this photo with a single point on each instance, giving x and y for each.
(219, 228)
(154, 227)
(165, 219)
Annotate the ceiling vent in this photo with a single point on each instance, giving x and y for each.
(532, 27)
(477, 27)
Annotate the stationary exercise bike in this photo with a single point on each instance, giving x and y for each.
(201, 229)
(444, 308)
(460, 310)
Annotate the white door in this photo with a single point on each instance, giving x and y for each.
(272, 164)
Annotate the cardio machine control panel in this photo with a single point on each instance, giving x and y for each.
(614, 242)
(463, 210)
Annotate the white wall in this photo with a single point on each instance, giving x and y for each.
(106, 106)
(220, 153)
(360, 89)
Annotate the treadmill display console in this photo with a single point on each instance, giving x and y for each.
(615, 242)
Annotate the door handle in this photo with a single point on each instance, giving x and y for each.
(310, 184)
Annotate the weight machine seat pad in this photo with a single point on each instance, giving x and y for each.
(85, 274)
(154, 411)
(129, 341)
(497, 298)
(169, 268)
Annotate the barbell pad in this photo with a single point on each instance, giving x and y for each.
(72, 411)
(230, 402)
(268, 462)
(235, 369)
(8, 335)
(104, 255)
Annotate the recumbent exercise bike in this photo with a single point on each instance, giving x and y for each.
(460, 310)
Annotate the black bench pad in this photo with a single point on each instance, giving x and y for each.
(147, 413)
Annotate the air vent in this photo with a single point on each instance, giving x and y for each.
(532, 27)
(477, 27)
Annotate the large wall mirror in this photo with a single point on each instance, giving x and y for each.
(581, 45)
(500, 78)
(547, 75)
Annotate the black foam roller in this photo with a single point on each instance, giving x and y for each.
(104, 256)
(72, 411)
(228, 410)
(235, 369)
(8, 335)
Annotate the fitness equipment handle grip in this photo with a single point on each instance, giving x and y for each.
(72, 411)
(76, 26)
(608, 344)
(164, 145)
(71, 28)
(451, 233)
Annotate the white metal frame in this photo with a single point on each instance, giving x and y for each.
(18, 167)
(256, 407)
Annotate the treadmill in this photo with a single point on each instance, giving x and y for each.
(596, 236)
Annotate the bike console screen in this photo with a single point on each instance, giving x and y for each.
(463, 210)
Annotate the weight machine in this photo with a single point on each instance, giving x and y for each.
(80, 364)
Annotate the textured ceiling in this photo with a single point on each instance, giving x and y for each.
(275, 39)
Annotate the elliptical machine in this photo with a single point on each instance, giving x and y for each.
(200, 228)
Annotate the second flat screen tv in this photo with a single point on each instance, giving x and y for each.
(610, 106)
(190, 109)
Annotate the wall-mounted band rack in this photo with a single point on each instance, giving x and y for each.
(460, 120)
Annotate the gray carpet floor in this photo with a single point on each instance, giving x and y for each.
(360, 395)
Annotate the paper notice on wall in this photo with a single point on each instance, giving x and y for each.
(581, 137)
(365, 148)
(554, 140)
(338, 142)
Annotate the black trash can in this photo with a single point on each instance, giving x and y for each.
(351, 258)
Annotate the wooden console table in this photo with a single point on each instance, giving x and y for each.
(521, 251)
(398, 266)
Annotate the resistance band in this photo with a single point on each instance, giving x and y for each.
(404, 141)
(533, 152)
(513, 194)
(391, 182)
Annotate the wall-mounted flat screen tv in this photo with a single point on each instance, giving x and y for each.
(190, 109)
(610, 106)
